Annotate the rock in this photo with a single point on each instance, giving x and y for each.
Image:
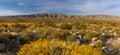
(74, 33)
(5, 40)
(8, 30)
(92, 44)
(93, 31)
(118, 40)
(99, 41)
(17, 42)
(110, 30)
(17, 38)
(94, 39)
(109, 41)
(71, 32)
(14, 33)
(107, 49)
(77, 33)
(77, 41)
(36, 37)
(103, 34)
(80, 36)
(53, 40)
(34, 31)
(115, 34)
(106, 37)
(2, 47)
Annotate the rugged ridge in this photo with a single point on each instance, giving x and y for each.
(58, 18)
(62, 16)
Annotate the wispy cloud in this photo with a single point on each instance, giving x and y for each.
(83, 7)
(4, 12)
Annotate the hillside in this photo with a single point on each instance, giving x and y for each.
(59, 18)
(63, 16)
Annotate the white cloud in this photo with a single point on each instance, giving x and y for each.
(5, 12)
(21, 4)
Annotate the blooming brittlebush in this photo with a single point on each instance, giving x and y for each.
(46, 47)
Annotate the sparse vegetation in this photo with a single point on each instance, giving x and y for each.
(57, 35)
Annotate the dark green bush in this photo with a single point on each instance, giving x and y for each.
(49, 24)
(4, 25)
(17, 25)
(25, 37)
(83, 26)
(77, 25)
(62, 35)
(66, 26)
(88, 36)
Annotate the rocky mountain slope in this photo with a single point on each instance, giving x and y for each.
(65, 16)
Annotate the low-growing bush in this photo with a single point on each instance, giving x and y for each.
(17, 25)
(77, 25)
(61, 35)
(49, 24)
(98, 44)
(46, 47)
(88, 36)
(25, 37)
(66, 26)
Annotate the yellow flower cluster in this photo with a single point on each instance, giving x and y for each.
(46, 47)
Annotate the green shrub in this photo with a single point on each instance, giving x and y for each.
(77, 25)
(71, 38)
(39, 25)
(61, 35)
(98, 44)
(42, 37)
(66, 26)
(49, 24)
(17, 25)
(25, 37)
(4, 25)
(88, 36)
(83, 26)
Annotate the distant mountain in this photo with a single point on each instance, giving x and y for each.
(64, 16)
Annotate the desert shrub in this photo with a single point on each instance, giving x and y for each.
(96, 34)
(55, 34)
(100, 36)
(1, 38)
(10, 36)
(77, 25)
(66, 26)
(83, 26)
(82, 32)
(24, 40)
(39, 24)
(86, 50)
(17, 25)
(42, 37)
(4, 25)
(49, 24)
(61, 35)
(98, 44)
(25, 37)
(71, 38)
(46, 47)
(88, 36)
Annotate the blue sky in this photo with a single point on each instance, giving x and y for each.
(79, 7)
